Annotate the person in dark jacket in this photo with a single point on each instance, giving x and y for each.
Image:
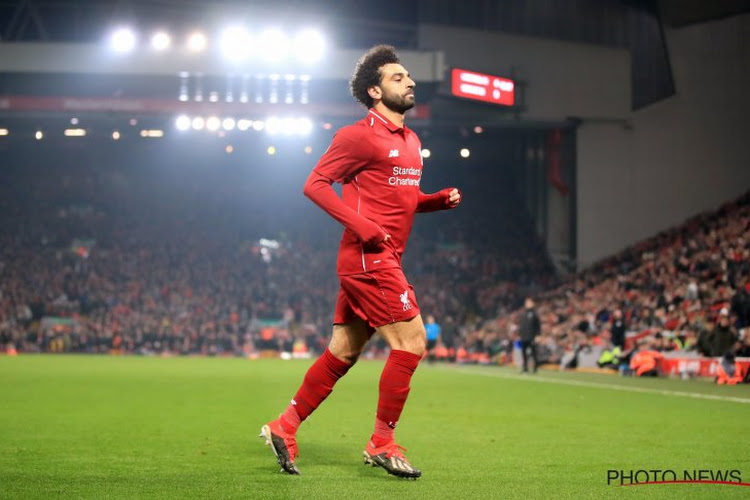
(618, 329)
(529, 328)
(724, 335)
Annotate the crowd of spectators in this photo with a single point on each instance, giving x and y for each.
(685, 291)
(112, 261)
(109, 260)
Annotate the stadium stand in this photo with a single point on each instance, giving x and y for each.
(111, 261)
(684, 293)
(107, 262)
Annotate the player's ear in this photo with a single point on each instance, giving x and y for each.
(375, 92)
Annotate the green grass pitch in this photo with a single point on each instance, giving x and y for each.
(108, 427)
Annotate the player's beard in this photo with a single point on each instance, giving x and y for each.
(398, 103)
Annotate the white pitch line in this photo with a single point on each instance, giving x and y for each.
(598, 385)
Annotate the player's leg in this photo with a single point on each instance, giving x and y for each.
(386, 300)
(407, 341)
(525, 355)
(347, 342)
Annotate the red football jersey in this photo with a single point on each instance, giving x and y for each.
(379, 165)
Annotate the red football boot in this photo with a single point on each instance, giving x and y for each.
(283, 445)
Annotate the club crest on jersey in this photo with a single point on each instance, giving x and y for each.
(405, 300)
(393, 153)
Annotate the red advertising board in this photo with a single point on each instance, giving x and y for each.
(481, 87)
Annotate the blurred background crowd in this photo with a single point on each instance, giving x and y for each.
(105, 261)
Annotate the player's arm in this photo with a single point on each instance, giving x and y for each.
(442, 200)
(318, 188)
(346, 156)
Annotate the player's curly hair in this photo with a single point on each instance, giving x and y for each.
(367, 72)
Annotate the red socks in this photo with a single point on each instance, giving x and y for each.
(316, 386)
(325, 372)
(394, 389)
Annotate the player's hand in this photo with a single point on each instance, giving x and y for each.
(454, 198)
(377, 241)
(377, 245)
(383, 243)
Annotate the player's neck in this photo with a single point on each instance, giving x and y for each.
(395, 117)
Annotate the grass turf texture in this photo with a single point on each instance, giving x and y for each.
(90, 426)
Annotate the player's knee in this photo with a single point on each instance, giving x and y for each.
(421, 345)
(415, 344)
(346, 355)
(419, 350)
(351, 357)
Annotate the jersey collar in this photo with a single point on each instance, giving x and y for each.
(385, 121)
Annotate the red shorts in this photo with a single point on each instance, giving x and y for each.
(380, 298)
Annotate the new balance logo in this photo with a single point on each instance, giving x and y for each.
(393, 153)
(405, 300)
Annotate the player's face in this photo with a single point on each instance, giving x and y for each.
(397, 88)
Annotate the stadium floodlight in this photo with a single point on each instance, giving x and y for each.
(275, 45)
(39, 135)
(213, 123)
(304, 89)
(259, 125)
(273, 125)
(426, 153)
(289, 86)
(309, 46)
(182, 122)
(160, 41)
(122, 40)
(198, 123)
(228, 123)
(303, 126)
(152, 133)
(229, 149)
(271, 150)
(184, 80)
(197, 42)
(4, 131)
(235, 44)
(244, 124)
(74, 132)
(288, 126)
(308, 150)
(465, 153)
(116, 135)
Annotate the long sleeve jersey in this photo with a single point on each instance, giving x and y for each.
(379, 166)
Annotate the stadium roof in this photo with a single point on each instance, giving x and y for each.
(683, 12)
(355, 23)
